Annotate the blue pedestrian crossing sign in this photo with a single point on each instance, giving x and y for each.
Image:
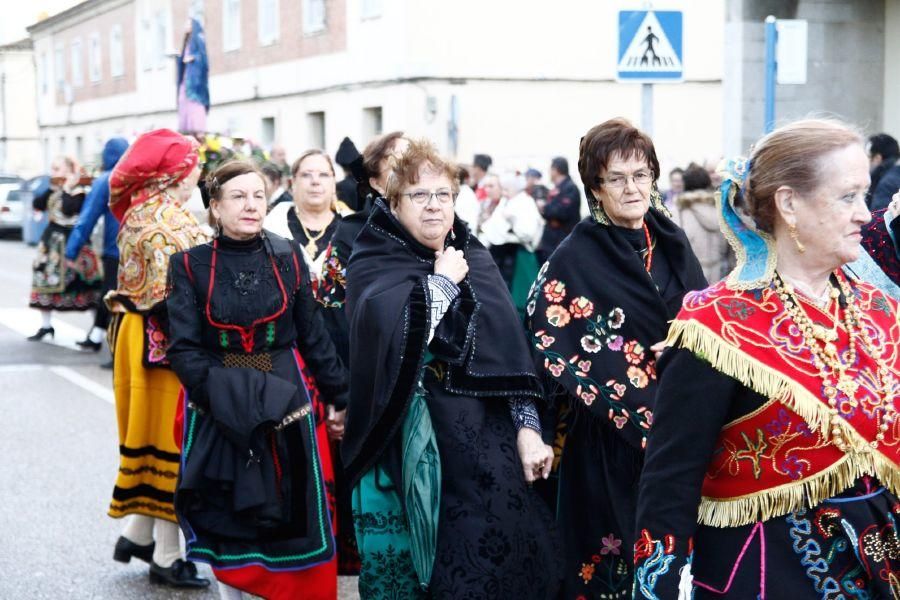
(650, 45)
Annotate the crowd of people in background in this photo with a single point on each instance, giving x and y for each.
(458, 381)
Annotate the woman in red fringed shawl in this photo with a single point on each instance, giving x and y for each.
(776, 421)
(148, 188)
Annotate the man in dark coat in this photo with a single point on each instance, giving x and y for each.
(346, 188)
(562, 210)
(276, 180)
(885, 170)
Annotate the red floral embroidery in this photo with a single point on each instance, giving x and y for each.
(581, 308)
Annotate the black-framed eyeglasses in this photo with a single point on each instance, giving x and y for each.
(619, 180)
(423, 197)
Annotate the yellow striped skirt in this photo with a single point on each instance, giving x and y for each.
(146, 400)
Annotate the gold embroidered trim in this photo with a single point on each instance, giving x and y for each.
(805, 493)
(260, 361)
(768, 382)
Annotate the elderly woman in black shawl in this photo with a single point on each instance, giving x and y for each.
(442, 435)
(597, 313)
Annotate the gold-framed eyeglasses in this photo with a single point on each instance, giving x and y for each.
(619, 180)
(423, 197)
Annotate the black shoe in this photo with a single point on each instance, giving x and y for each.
(126, 549)
(87, 344)
(41, 333)
(182, 573)
(108, 365)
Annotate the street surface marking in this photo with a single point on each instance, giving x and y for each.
(26, 321)
(85, 383)
(21, 368)
(89, 385)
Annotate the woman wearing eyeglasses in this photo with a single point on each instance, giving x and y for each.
(442, 435)
(313, 217)
(598, 310)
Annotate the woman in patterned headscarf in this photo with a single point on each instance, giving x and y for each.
(148, 189)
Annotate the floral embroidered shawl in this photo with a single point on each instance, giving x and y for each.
(594, 312)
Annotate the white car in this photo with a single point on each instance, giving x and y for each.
(12, 210)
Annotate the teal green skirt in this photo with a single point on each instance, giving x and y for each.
(397, 547)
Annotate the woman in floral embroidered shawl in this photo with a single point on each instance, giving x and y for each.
(776, 419)
(596, 310)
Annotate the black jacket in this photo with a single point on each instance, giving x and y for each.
(884, 187)
(562, 212)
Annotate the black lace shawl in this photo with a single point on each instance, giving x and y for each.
(479, 338)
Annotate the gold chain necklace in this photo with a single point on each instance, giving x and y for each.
(311, 247)
(832, 365)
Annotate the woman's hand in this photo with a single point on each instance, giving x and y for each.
(71, 182)
(658, 348)
(334, 422)
(451, 264)
(893, 209)
(536, 456)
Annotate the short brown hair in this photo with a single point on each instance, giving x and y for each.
(378, 150)
(406, 170)
(314, 152)
(228, 171)
(603, 140)
(792, 156)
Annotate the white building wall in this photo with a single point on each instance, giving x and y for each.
(20, 151)
(892, 68)
(528, 84)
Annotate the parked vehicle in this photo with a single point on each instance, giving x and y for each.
(11, 205)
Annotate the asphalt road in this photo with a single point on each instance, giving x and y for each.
(58, 459)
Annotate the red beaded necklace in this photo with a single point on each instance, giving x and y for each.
(648, 260)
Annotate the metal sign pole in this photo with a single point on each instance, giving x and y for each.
(647, 108)
(771, 71)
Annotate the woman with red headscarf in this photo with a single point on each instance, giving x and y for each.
(148, 189)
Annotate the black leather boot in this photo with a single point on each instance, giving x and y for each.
(182, 573)
(126, 549)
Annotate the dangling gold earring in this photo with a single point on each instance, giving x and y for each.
(792, 229)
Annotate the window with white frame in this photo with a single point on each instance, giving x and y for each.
(370, 9)
(315, 127)
(372, 121)
(59, 67)
(44, 72)
(231, 25)
(95, 66)
(313, 16)
(268, 22)
(116, 52)
(160, 38)
(77, 75)
(146, 44)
